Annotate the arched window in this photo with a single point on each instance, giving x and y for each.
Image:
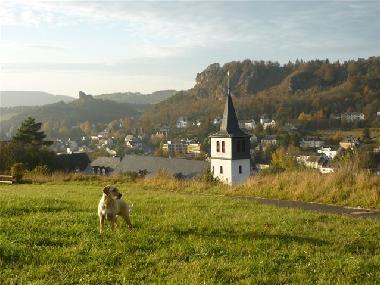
(217, 146)
(223, 146)
(240, 169)
(238, 146)
(243, 146)
(221, 169)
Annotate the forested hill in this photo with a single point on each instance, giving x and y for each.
(315, 89)
(137, 98)
(63, 117)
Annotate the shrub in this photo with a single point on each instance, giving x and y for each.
(207, 176)
(41, 170)
(18, 171)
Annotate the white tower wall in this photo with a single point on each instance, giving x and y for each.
(231, 173)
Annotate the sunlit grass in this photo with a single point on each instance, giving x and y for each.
(49, 235)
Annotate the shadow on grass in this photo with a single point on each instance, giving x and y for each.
(231, 234)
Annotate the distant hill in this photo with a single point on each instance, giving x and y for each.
(137, 97)
(30, 98)
(301, 91)
(65, 117)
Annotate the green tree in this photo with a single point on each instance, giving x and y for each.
(285, 158)
(29, 134)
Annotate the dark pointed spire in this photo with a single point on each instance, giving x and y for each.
(230, 125)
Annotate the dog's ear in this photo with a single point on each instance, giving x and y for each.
(106, 190)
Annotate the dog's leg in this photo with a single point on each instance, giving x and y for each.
(128, 221)
(113, 222)
(101, 223)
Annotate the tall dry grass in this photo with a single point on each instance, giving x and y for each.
(347, 186)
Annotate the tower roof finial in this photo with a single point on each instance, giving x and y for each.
(228, 84)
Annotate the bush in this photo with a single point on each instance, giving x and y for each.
(207, 176)
(18, 171)
(41, 170)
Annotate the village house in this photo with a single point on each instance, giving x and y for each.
(247, 124)
(352, 117)
(271, 124)
(76, 162)
(177, 167)
(182, 123)
(193, 148)
(133, 142)
(349, 142)
(71, 146)
(329, 152)
(311, 142)
(174, 147)
(162, 132)
(335, 116)
(269, 140)
(196, 123)
(376, 149)
(312, 161)
(183, 146)
(264, 119)
(104, 165)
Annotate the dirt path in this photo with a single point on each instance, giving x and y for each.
(324, 208)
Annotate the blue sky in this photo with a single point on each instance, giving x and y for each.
(112, 46)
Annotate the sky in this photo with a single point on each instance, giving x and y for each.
(62, 47)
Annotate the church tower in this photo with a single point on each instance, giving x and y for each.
(230, 148)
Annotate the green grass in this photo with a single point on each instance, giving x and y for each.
(49, 235)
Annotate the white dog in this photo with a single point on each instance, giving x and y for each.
(111, 205)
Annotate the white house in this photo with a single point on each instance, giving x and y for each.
(247, 124)
(271, 124)
(353, 117)
(311, 142)
(230, 149)
(269, 140)
(133, 143)
(197, 123)
(329, 152)
(182, 123)
(264, 119)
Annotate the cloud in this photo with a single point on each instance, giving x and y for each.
(164, 28)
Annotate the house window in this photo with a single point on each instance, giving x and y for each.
(213, 170)
(240, 169)
(217, 146)
(223, 146)
(238, 146)
(221, 169)
(243, 146)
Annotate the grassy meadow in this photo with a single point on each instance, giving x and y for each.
(49, 235)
